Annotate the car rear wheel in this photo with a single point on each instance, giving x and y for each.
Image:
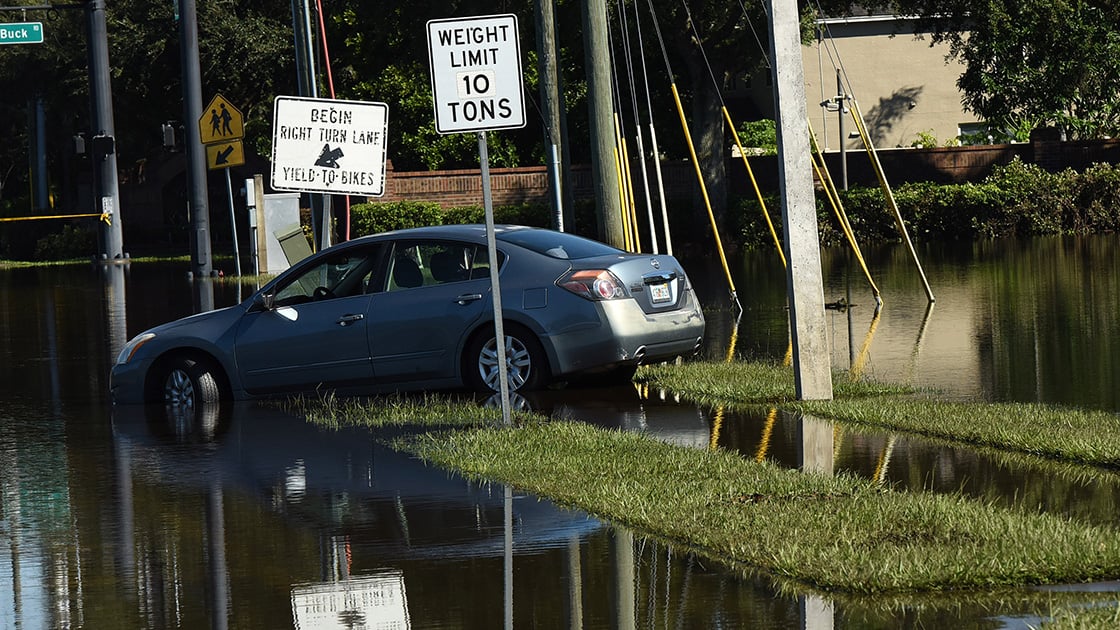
(525, 359)
(189, 382)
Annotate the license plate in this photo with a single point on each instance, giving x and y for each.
(659, 292)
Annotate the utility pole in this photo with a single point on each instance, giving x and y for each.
(103, 144)
(550, 105)
(812, 369)
(600, 97)
(201, 265)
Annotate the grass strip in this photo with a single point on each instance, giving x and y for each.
(1059, 433)
(1083, 618)
(833, 533)
(423, 409)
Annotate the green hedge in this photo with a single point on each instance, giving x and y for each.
(384, 216)
(1017, 199)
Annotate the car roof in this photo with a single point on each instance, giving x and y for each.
(470, 231)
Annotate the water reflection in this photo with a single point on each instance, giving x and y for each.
(235, 516)
(1027, 321)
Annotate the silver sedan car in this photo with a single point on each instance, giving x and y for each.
(412, 309)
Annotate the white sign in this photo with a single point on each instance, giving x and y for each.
(476, 73)
(329, 146)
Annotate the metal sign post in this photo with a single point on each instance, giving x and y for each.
(221, 128)
(477, 87)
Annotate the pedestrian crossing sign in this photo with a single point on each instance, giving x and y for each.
(220, 122)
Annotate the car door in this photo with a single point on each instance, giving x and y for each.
(314, 334)
(430, 299)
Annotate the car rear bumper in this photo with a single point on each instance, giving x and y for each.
(628, 336)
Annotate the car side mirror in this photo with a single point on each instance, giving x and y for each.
(264, 302)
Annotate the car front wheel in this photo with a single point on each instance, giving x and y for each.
(189, 382)
(525, 359)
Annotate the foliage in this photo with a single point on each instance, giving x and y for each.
(759, 134)
(534, 214)
(926, 140)
(1017, 199)
(1032, 63)
(245, 52)
(385, 216)
(74, 241)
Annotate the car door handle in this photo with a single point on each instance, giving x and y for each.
(346, 320)
(468, 297)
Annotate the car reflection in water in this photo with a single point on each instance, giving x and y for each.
(352, 493)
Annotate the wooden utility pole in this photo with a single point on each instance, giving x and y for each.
(550, 106)
(607, 201)
(812, 369)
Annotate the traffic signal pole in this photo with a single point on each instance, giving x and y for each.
(104, 152)
(201, 265)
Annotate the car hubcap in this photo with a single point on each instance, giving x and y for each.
(179, 390)
(518, 362)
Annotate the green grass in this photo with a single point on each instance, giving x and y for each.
(1059, 433)
(1084, 618)
(397, 410)
(835, 533)
(838, 534)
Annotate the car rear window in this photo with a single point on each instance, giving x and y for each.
(558, 244)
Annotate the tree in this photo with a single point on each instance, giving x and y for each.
(1032, 63)
(245, 52)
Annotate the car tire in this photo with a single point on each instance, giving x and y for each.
(189, 383)
(525, 356)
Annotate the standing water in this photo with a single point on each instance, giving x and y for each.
(247, 517)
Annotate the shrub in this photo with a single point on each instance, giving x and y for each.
(1017, 199)
(537, 215)
(373, 218)
(74, 241)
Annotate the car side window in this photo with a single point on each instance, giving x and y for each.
(344, 274)
(428, 263)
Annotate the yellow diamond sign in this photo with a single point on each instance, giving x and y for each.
(220, 122)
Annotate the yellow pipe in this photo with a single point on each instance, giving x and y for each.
(703, 188)
(622, 201)
(53, 216)
(717, 424)
(754, 182)
(733, 341)
(632, 214)
(858, 117)
(838, 209)
(767, 431)
(857, 366)
(884, 460)
(623, 197)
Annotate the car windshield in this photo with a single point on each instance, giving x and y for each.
(558, 244)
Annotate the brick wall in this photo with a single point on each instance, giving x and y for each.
(941, 165)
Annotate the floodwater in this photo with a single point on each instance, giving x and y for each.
(251, 518)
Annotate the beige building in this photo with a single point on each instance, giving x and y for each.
(903, 86)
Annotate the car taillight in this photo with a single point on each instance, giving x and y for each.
(593, 284)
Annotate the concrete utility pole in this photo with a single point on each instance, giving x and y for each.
(812, 370)
(602, 123)
(103, 143)
(201, 265)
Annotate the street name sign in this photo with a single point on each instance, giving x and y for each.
(476, 73)
(21, 33)
(329, 146)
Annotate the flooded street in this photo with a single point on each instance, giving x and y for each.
(251, 518)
